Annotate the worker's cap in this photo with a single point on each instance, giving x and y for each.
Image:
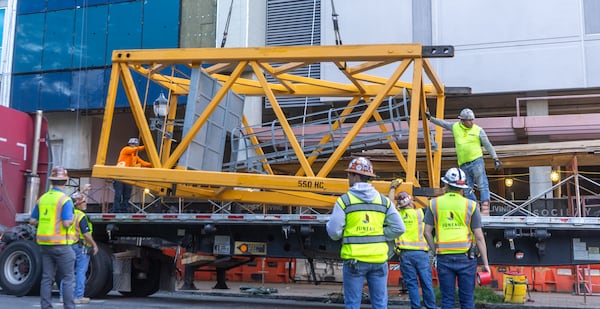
(133, 141)
(466, 114)
(362, 166)
(403, 199)
(78, 198)
(456, 177)
(59, 173)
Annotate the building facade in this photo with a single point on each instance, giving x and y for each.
(56, 54)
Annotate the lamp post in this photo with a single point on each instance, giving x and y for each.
(161, 106)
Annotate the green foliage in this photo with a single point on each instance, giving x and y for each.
(483, 295)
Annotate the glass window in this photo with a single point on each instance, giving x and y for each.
(24, 92)
(591, 10)
(58, 40)
(31, 6)
(89, 89)
(90, 36)
(161, 24)
(54, 5)
(28, 43)
(124, 27)
(55, 91)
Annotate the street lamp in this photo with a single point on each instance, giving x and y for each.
(161, 106)
(508, 182)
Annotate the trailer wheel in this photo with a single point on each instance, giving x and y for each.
(145, 277)
(21, 268)
(99, 275)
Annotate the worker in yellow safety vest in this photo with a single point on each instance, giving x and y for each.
(455, 220)
(365, 221)
(468, 139)
(53, 215)
(411, 247)
(84, 246)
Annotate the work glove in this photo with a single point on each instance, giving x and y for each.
(428, 115)
(433, 259)
(396, 183)
(497, 165)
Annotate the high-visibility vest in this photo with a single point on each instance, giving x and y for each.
(363, 239)
(452, 214)
(79, 215)
(467, 142)
(50, 229)
(413, 238)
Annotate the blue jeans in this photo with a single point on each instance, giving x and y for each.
(57, 262)
(354, 278)
(122, 195)
(415, 265)
(451, 267)
(82, 260)
(475, 171)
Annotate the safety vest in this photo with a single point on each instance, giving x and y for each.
(452, 214)
(50, 229)
(413, 238)
(467, 142)
(363, 238)
(79, 215)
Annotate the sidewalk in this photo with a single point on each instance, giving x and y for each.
(332, 292)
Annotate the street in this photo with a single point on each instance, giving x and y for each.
(179, 300)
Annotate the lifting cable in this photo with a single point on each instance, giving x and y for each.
(336, 27)
(312, 40)
(226, 30)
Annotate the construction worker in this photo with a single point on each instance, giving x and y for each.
(468, 139)
(412, 249)
(365, 221)
(83, 230)
(128, 157)
(455, 219)
(53, 215)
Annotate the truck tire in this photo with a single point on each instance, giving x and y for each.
(21, 268)
(98, 281)
(145, 277)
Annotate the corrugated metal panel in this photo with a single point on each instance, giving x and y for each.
(292, 23)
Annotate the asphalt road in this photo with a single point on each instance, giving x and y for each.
(177, 300)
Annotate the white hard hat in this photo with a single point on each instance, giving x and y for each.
(456, 177)
(133, 141)
(466, 114)
(362, 166)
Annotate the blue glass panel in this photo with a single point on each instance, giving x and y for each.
(28, 43)
(88, 89)
(2, 13)
(31, 6)
(58, 41)
(55, 91)
(24, 92)
(121, 100)
(124, 27)
(82, 3)
(90, 47)
(161, 24)
(54, 5)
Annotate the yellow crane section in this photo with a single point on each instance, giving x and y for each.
(270, 72)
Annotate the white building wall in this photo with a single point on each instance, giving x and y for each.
(500, 46)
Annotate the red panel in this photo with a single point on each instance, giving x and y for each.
(16, 150)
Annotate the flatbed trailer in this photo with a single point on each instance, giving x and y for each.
(285, 164)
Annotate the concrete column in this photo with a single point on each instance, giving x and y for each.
(539, 176)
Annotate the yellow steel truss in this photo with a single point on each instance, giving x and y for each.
(310, 185)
